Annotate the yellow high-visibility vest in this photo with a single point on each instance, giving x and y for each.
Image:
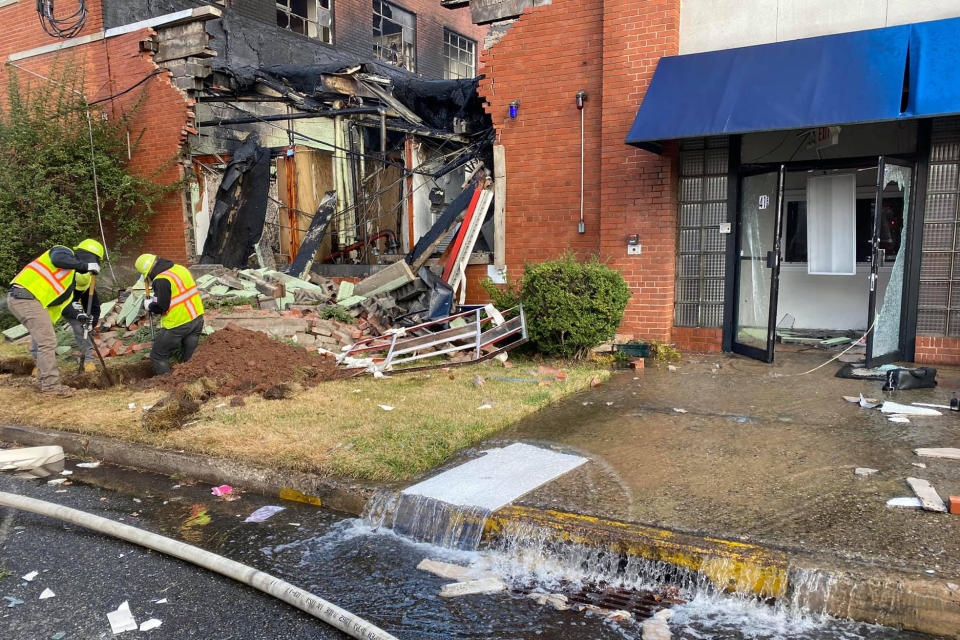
(185, 302)
(47, 283)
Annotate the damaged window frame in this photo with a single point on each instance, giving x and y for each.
(406, 58)
(454, 68)
(313, 26)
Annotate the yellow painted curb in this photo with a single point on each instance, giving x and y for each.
(298, 496)
(730, 565)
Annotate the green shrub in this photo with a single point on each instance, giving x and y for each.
(570, 306)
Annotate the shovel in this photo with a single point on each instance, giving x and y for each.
(86, 332)
(146, 289)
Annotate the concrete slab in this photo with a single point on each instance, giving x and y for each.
(498, 478)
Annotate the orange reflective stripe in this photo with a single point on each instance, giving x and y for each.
(173, 276)
(46, 274)
(191, 308)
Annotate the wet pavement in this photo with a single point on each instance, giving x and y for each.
(731, 447)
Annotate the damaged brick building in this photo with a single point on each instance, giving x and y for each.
(191, 64)
(763, 172)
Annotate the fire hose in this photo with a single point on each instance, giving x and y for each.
(305, 601)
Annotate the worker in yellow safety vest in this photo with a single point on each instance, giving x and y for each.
(43, 292)
(177, 300)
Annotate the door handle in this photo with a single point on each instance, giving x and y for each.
(771, 259)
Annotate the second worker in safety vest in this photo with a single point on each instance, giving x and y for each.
(177, 300)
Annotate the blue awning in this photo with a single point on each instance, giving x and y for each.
(830, 80)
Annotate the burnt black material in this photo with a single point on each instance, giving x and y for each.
(240, 209)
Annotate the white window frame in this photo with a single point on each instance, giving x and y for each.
(456, 48)
(402, 51)
(318, 23)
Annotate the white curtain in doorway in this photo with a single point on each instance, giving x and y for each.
(832, 225)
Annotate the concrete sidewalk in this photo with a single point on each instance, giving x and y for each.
(761, 455)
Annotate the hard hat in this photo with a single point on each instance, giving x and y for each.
(92, 246)
(145, 262)
(82, 281)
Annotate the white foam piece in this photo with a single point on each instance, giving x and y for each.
(498, 478)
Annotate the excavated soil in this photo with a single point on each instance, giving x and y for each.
(242, 361)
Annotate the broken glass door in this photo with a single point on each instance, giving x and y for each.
(890, 219)
(758, 264)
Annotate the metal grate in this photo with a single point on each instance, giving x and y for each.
(698, 297)
(938, 311)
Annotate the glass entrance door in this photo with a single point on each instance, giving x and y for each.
(758, 264)
(889, 244)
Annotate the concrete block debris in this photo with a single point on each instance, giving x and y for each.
(905, 503)
(473, 587)
(444, 570)
(950, 453)
(656, 629)
(929, 499)
(865, 471)
(556, 600)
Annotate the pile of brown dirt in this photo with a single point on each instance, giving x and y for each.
(18, 365)
(123, 373)
(244, 361)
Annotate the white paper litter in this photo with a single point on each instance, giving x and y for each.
(66, 472)
(867, 403)
(907, 503)
(907, 410)
(162, 601)
(385, 407)
(899, 418)
(122, 620)
(152, 623)
(47, 593)
(30, 576)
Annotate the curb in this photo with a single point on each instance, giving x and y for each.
(288, 485)
(868, 593)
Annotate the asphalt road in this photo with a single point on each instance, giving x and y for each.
(92, 574)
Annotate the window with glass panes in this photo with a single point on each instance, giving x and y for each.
(394, 35)
(701, 248)
(459, 56)
(313, 18)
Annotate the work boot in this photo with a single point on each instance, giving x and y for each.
(89, 367)
(60, 390)
(35, 372)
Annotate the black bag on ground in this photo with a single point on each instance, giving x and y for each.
(919, 378)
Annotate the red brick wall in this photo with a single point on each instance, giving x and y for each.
(353, 29)
(931, 350)
(111, 66)
(610, 49)
(697, 340)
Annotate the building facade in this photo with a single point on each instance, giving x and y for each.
(792, 166)
(149, 64)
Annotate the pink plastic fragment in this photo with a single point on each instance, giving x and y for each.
(222, 490)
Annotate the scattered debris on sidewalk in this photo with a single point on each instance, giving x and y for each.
(150, 624)
(906, 503)
(30, 576)
(47, 593)
(443, 569)
(865, 471)
(929, 499)
(950, 453)
(473, 587)
(222, 490)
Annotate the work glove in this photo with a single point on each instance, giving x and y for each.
(147, 302)
(93, 267)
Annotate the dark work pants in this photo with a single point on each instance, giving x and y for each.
(184, 337)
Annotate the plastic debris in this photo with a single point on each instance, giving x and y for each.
(263, 513)
(30, 576)
(675, 410)
(906, 503)
(152, 623)
(162, 601)
(13, 601)
(47, 593)
(66, 472)
(899, 418)
(385, 407)
(122, 620)
(222, 490)
(865, 471)
(57, 481)
(88, 465)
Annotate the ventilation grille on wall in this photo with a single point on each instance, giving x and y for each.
(701, 249)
